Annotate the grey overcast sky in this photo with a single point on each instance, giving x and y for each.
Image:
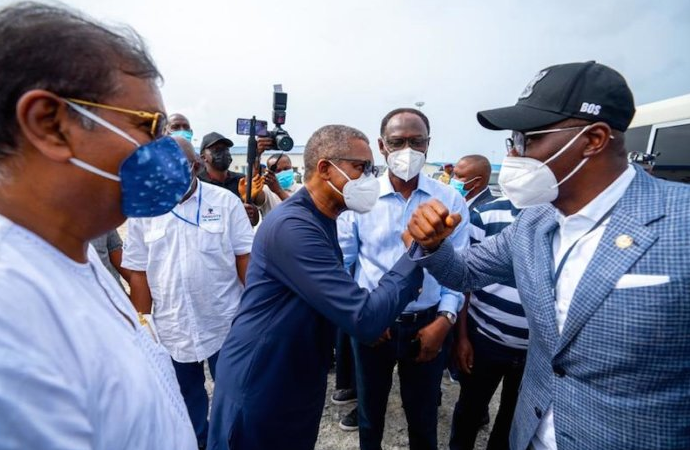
(352, 61)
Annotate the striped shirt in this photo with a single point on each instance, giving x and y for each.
(496, 309)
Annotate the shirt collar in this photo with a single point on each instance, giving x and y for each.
(470, 201)
(423, 184)
(195, 194)
(602, 203)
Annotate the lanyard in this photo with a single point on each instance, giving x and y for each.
(559, 269)
(198, 210)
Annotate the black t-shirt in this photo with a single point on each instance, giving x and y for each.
(230, 183)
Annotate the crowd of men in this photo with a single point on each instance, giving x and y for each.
(572, 290)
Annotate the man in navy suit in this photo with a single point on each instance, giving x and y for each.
(601, 262)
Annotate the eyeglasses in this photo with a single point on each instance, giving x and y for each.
(158, 119)
(416, 143)
(368, 167)
(519, 143)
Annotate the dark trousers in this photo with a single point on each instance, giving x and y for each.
(191, 378)
(493, 362)
(420, 385)
(344, 362)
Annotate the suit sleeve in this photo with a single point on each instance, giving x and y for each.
(313, 271)
(474, 267)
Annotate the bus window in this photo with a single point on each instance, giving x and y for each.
(673, 145)
(637, 139)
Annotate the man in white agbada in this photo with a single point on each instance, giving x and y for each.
(80, 150)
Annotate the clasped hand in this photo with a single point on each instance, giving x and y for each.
(430, 224)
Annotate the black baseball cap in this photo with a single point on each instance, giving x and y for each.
(588, 91)
(213, 138)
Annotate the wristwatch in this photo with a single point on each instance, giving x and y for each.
(448, 315)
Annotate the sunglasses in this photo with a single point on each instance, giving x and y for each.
(368, 167)
(518, 141)
(416, 143)
(158, 120)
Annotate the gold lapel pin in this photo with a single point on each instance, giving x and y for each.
(624, 241)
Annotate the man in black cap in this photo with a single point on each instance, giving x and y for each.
(600, 259)
(215, 154)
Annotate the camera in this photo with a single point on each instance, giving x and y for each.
(281, 138)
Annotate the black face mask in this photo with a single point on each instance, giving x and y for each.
(221, 160)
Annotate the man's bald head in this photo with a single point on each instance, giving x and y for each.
(475, 171)
(480, 164)
(177, 122)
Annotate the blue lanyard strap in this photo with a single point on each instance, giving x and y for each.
(559, 269)
(198, 210)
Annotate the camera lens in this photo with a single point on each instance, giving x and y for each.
(284, 142)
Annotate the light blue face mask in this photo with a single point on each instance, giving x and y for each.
(460, 186)
(152, 179)
(286, 178)
(185, 134)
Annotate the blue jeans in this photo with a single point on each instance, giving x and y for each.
(420, 385)
(493, 362)
(191, 378)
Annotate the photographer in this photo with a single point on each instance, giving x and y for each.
(279, 182)
(215, 153)
(280, 177)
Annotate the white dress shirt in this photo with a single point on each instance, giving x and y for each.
(77, 370)
(575, 230)
(189, 258)
(471, 201)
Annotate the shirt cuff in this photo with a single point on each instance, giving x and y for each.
(425, 257)
(450, 303)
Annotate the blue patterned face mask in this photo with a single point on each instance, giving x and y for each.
(286, 178)
(152, 179)
(185, 134)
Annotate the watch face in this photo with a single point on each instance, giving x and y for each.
(450, 316)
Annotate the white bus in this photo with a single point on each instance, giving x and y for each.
(662, 129)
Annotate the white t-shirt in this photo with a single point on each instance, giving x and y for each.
(189, 259)
(77, 370)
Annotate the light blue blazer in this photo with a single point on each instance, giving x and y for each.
(619, 375)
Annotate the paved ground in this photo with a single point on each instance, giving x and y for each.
(331, 437)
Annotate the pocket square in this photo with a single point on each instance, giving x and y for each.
(634, 280)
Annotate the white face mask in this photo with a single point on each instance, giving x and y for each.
(530, 182)
(405, 164)
(360, 194)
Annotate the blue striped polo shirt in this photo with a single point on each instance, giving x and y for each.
(496, 308)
